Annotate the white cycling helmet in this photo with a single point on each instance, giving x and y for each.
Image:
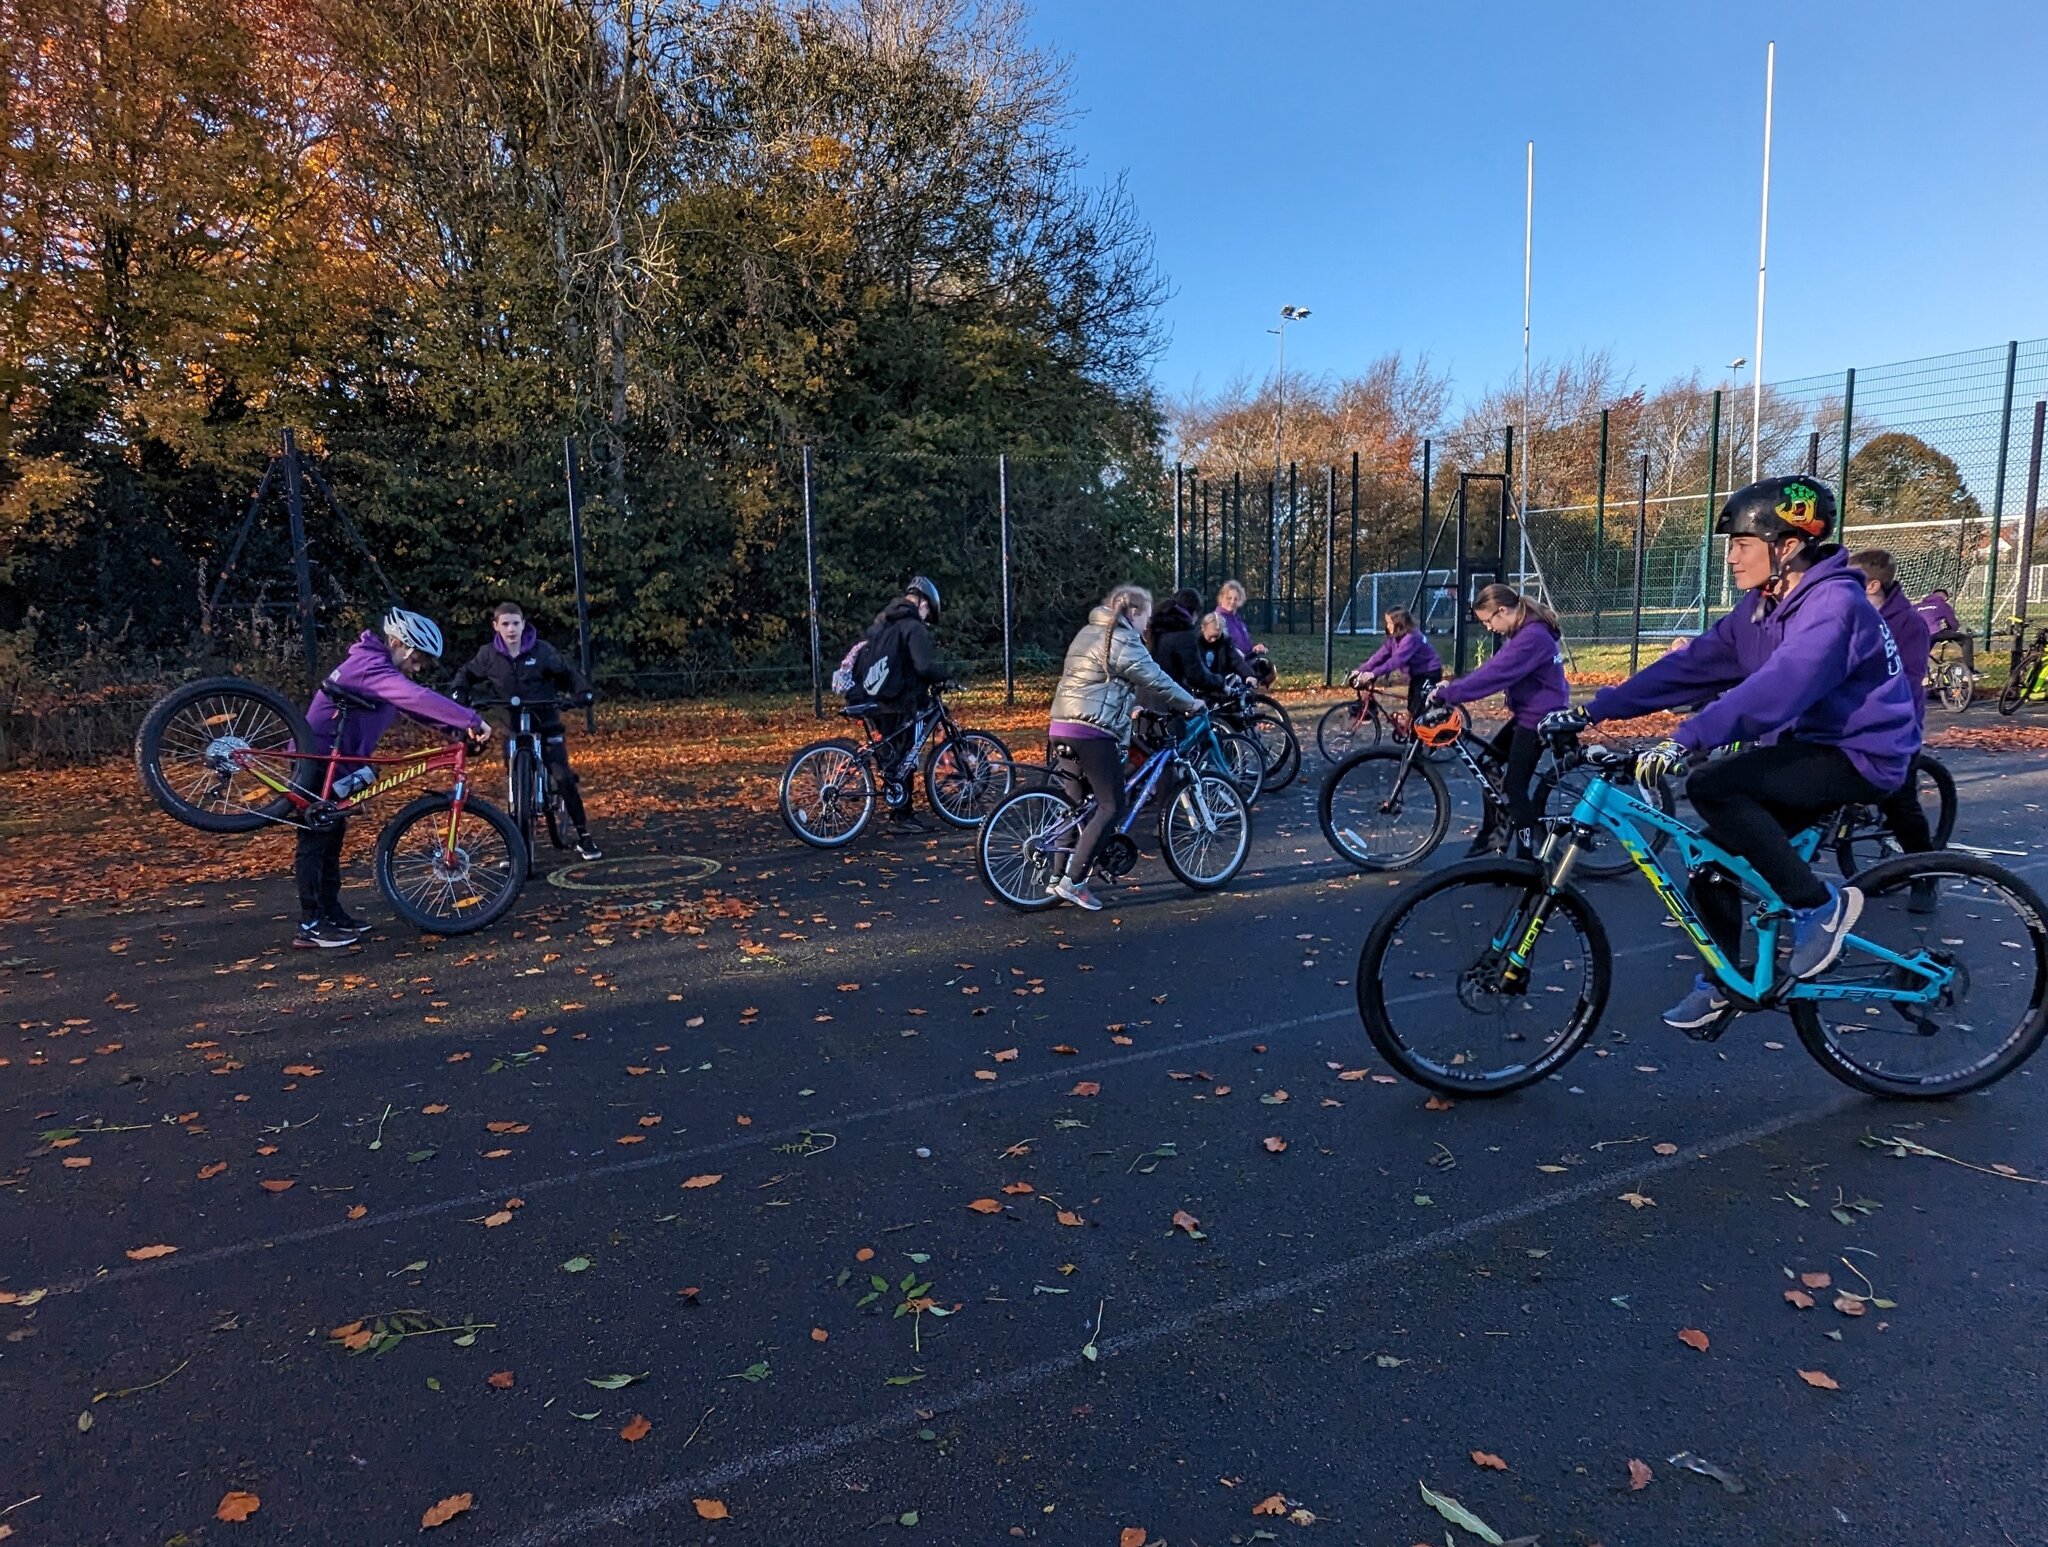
(415, 630)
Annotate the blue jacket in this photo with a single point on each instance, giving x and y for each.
(1910, 631)
(1821, 667)
(1528, 667)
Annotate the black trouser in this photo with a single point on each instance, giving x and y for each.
(554, 756)
(1516, 748)
(1906, 816)
(893, 723)
(1751, 804)
(1418, 690)
(316, 866)
(1961, 637)
(1093, 765)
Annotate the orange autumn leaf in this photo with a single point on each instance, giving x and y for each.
(637, 1430)
(493, 1221)
(1069, 1217)
(1849, 1305)
(986, 1206)
(1815, 1280)
(1438, 1104)
(501, 1379)
(1638, 1475)
(435, 1109)
(355, 1342)
(208, 1173)
(819, 1334)
(507, 1127)
(650, 1122)
(1274, 1145)
(631, 1138)
(357, 1211)
(1820, 1378)
(496, 1154)
(708, 1179)
(1086, 1088)
(1183, 1220)
(637, 1069)
(1007, 1056)
(1489, 1460)
(1272, 1504)
(710, 1509)
(278, 1184)
(146, 1253)
(346, 1330)
(237, 1505)
(1692, 1337)
(303, 1071)
(1017, 1189)
(1131, 1536)
(865, 1254)
(984, 1074)
(1800, 1298)
(445, 1511)
(1068, 1052)
(1664, 1149)
(77, 1162)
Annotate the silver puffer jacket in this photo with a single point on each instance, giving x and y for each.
(1108, 670)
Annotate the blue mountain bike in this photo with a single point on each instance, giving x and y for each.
(1205, 828)
(1491, 974)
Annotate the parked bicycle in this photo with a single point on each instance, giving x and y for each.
(1948, 681)
(1374, 716)
(1383, 809)
(1203, 739)
(226, 755)
(1490, 975)
(1266, 721)
(1204, 830)
(830, 788)
(2027, 680)
(532, 795)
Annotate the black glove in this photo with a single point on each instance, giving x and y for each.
(1564, 722)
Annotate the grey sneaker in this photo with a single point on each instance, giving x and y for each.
(1819, 933)
(1077, 893)
(1702, 1007)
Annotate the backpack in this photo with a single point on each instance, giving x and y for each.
(877, 672)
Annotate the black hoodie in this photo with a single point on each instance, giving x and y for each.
(1177, 646)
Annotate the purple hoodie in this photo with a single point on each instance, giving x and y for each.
(1910, 633)
(367, 670)
(1409, 653)
(1528, 667)
(1936, 613)
(1821, 667)
(1236, 630)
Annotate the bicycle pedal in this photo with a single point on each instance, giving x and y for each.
(1713, 1030)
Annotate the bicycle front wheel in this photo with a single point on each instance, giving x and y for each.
(214, 753)
(968, 777)
(1019, 845)
(1384, 810)
(2015, 692)
(1956, 687)
(450, 872)
(827, 796)
(524, 777)
(1965, 938)
(1343, 730)
(1270, 726)
(1438, 999)
(1205, 832)
(1864, 838)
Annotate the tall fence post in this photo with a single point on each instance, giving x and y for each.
(302, 560)
(1176, 527)
(2012, 360)
(2026, 553)
(1003, 526)
(1707, 521)
(1423, 552)
(1635, 632)
(1329, 573)
(1507, 468)
(1813, 454)
(1272, 548)
(1351, 574)
(1599, 524)
(811, 585)
(1237, 514)
(575, 484)
(1848, 427)
(1293, 535)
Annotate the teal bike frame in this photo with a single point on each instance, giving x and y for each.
(1919, 979)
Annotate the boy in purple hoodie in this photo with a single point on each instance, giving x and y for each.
(1803, 657)
(1902, 807)
(1407, 650)
(1528, 669)
(379, 667)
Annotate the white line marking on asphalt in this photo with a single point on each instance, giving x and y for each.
(923, 1410)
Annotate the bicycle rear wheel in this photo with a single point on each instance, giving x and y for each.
(1981, 927)
(202, 747)
(826, 795)
(520, 786)
(1601, 856)
(1432, 991)
(1343, 730)
(1956, 686)
(1019, 844)
(1864, 838)
(450, 874)
(1243, 764)
(2015, 691)
(1204, 838)
(1270, 726)
(968, 777)
(1384, 810)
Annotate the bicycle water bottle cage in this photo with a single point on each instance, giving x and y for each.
(1444, 732)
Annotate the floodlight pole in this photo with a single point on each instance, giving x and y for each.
(1763, 249)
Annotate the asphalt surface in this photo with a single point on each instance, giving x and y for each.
(1344, 1320)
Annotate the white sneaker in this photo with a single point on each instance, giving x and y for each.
(1077, 893)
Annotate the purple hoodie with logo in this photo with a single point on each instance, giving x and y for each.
(1910, 633)
(1528, 667)
(1820, 667)
(367, 670)
(1410, 653)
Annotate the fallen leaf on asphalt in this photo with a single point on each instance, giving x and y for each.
(710, 1509)
(77, 1162)
(1183, 1220)
(1692, 1337)
(986, 1206)
(303, 1071)
(1069, 1217)
(984, 1074)
(638, 1138)
(1273, 1504)
(1132, 1536)
(708, 1179)
(1815, 1280)
(1085, 1088)
(819, 1334)
(145, 1253)
(1488, 1459)
(1017, 1189)
(502, 1379)
(1638, 1200)
(237, 1505)
(1460, 1516)
(1664, 1149)
(1064, 1050)
(1007, 1056)
(445, 1511)
(208, 1173)
(1638, 1475)
(436, 1109)
(1800, 1298)
(1820, 1378)
(1274, 1145)
(278, 1184)
(1274, 1098)
(507, 1127)
(637, 1430)
(1438, 1104)
(357, 1210)
(865, 1254)
(502, 1217)
(1849, 1305)
(1354, 1074)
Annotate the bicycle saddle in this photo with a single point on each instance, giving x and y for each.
(338, 694)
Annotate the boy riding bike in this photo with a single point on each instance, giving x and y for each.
(380, 668)
(1804, 656)
(894, 670)
(518, 663)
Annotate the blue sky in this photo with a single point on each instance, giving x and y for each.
(1366, 160)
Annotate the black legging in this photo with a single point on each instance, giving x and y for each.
(1907, 817)
(316, 866)
(1751, 804)
(1418, 690)
(1516, 748)
(554, 756)
(1093, 765)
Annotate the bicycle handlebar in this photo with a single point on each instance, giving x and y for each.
(515, 701)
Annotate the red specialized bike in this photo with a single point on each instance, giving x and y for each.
(226, 755)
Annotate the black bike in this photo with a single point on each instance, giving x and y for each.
(1265, 720)
(830, 787)
(532, 794)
